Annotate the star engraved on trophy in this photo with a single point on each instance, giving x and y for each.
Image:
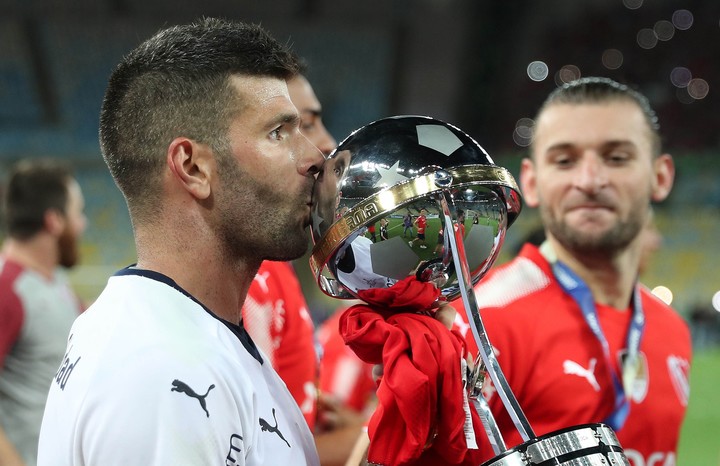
(389, 176)
(316, 220)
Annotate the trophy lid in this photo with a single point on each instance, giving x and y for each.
(378, 217)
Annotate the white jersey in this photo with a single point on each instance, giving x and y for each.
(151, 377)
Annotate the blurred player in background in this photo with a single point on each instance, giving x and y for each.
(43, 206)
(579, 338)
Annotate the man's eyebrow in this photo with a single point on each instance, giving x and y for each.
(560, 146)
(312, 111)
(284, 118)
(605, 145)
(618, 143)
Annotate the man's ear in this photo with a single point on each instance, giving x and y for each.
(191, 164)
(664, 175)
(528, 182)
(54, 222)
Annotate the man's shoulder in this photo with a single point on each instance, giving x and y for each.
(659, 311)
(520, 279)
(10, 272)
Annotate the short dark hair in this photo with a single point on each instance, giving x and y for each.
(33, 187)
(177, 83)
(591, 90)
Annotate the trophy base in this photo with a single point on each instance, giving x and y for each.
(584, 445)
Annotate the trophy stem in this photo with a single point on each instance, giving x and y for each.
(478, 329)
(488, 421)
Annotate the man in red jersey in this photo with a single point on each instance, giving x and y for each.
(579, 339)
(421, 224)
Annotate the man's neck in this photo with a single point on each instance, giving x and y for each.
(218, 284)
(611, 277)
(38, 254)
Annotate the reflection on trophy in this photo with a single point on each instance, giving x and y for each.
(464, 204)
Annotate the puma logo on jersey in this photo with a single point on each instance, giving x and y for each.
(266, 427)
(181, 387)
(573, 368)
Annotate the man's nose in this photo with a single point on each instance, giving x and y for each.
(591, 175)
(312, 159)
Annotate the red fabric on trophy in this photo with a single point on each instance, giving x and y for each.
(420, 417)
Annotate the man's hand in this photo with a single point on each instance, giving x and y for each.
(446, 314)
(332, 414)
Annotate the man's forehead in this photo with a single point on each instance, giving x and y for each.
(614, 120)
(259, 89)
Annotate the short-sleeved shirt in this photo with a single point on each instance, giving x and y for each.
(36, 313)
(150, 376)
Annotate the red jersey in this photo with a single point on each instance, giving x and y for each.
(421, 223)
(342, 373)
(556, 366)
(275, 315)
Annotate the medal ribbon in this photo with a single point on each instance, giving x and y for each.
(581, 294)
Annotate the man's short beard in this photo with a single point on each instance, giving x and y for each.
(68, 249)
(607, 243)
(252, 231)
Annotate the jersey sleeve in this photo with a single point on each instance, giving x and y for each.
(12, 316)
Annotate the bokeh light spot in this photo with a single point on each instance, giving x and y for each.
(698, 88)
(664, 30)
(529, 122)
(524, 130)
(680, 76)
(716, 301)
(612, 59)
(523, 133)
(663, 293)
(569, 73)
(537, 70)
(646, 38)
(682, 19)
(632, 4)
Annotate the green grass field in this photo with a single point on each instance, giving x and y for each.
(395, 228)
(700, 436)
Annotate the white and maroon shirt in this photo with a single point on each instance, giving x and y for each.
(36, 314)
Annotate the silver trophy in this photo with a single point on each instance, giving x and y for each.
(423, 167)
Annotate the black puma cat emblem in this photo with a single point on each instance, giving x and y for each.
(182, 387)
(266, 427)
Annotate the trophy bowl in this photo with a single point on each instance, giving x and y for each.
(404, 166)
(412, 195)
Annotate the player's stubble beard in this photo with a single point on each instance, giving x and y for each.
(602, 243)
(255, 220)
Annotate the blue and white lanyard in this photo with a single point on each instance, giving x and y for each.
(579, 291)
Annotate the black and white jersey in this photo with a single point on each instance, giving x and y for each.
(151, 377)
